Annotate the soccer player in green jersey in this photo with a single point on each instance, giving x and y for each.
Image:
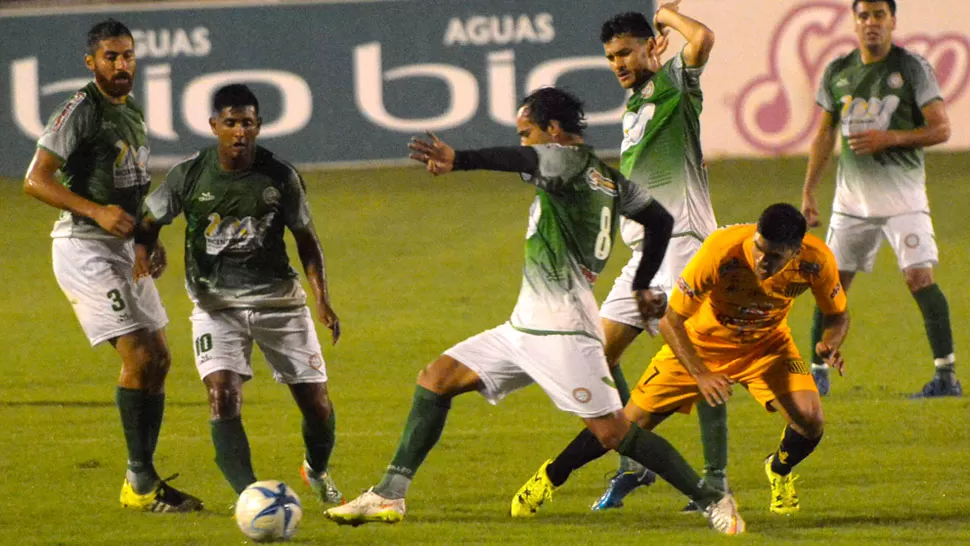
(554, 336)
(661, 150)
(92, 163)
(886, 103)
(238, 198)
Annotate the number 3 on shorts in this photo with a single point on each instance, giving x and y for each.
(117, 302)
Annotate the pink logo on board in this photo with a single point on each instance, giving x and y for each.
(776, 112)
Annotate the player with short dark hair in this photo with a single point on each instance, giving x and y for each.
(238, 199)
(886, 103)
(661, 150)
(554, 336)
(92, 163)
(726, 324)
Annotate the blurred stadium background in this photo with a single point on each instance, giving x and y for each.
(417, 264)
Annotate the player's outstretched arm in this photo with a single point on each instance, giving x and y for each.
(311, 255)
(440, 158)
(818, 158)
(41, 183)
(835, 327)
(700, 39)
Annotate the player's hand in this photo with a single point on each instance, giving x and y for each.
(715, 387)
(831, 355)
(810, 210)
(158, 261)
(871, 141)
(435, 154)
(329, 319)
(659, 27)
(142, 262)
(651, 302)
(114, 220)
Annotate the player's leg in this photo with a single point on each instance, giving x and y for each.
(288, 339)
(913, 239)
(777, 377)
(223, 351)
(855, 243)
(483, 363)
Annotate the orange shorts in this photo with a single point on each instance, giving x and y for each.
(768, 368)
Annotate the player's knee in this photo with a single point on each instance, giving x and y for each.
(813, 425)
(225, 401)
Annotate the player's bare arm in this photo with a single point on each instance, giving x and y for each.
(716, 388)
(818, 158)
(936, 131)
(311, 255)
(700, 39)
(835, 327)
(41, 183)
(147, 246)
(657, 225)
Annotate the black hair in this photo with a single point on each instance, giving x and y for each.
(551, 103)
(631, 23)
(234, 95)
(106, 30)
(782, 224)
(892, 5)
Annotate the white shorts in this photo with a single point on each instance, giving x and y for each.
(223, 340)
(97, 278)
(570, 368)
(620, 306)
(856, 241)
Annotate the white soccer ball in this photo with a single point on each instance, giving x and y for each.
(268, 511)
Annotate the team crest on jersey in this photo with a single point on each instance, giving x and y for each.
(231, 235)
(647, 90)
(895, 80)
(810, 269)
(271, 195)
(598, 182)
(77, 99)
(582, 395)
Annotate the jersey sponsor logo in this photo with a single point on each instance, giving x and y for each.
(685, 288)
(271, 195)
(769, 112)
(835, 291)
(130, 166)
(895, 80)
(231, 235)
(206, 196)
(842, 82)
(598, 182)
(859, 114)
(77, 99)
(635, 125)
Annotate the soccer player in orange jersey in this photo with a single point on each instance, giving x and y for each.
(726, 323)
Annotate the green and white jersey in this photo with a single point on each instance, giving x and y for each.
(661, 149)
(572, 226)
(888, 94)
(235, 254)
(104, 147)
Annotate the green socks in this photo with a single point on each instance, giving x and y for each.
(421, 433)
(936, 318)
(714, 439)
(646, 447)
(232, 452)
(319, 438)
(141, 420)
(620, 381)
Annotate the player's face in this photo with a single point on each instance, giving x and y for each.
(769, 257)
(236, 128)
(529, 132)
(113, 65)
(874, 24)
(629, 59)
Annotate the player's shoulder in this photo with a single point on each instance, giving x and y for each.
(814, 254)
(910, 60)
(843, 61)
(82, 103)
(726, 241)
(274, 166)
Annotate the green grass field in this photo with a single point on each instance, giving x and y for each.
(417, 264)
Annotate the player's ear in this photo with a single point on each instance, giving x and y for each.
(259, 124)
(213, 122)
(89, 61)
